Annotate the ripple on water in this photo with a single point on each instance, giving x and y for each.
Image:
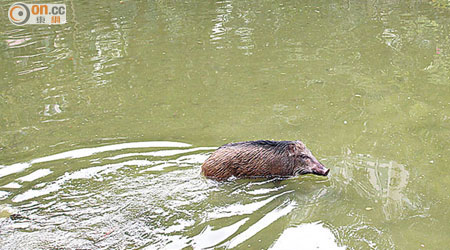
(311, 235)
(152, 195)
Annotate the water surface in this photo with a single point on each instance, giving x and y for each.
(105, 121)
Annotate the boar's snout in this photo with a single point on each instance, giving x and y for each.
(321, 170)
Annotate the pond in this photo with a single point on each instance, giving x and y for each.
(106, 120)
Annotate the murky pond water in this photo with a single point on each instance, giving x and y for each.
(105, 121)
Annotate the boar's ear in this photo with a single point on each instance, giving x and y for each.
(300, 143)
(292, 149)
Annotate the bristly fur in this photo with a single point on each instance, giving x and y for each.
(252, 159)
(277, 146)
(264, 158)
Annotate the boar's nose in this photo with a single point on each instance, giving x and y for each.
(321, 170)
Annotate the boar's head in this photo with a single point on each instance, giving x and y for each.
(305, 162)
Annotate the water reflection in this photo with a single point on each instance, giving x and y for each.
(384, 183)
(30, 59)
(155, 197)
(210, 237)
(79, 153)
(309, 236)
(369, 74)
(392, 39)
(109, 45)
(220, 29)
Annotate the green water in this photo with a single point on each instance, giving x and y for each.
(105, 121)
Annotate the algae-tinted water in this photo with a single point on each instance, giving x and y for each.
(105, 121)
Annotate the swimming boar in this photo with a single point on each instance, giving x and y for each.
(262, 159)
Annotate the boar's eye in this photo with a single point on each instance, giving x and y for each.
(304, 157)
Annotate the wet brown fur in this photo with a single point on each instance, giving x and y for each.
(255, 159)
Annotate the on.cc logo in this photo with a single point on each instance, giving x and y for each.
(19, 14)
